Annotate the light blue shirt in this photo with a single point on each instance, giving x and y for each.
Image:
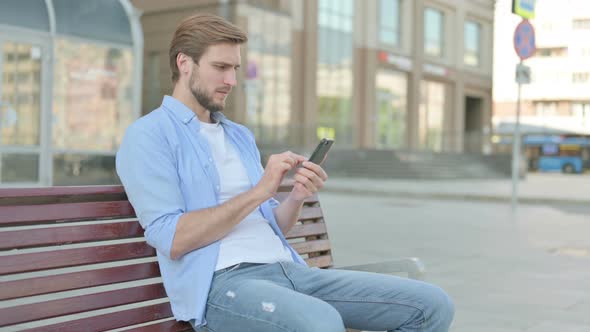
(167, 169)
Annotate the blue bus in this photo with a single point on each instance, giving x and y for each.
(557, 153)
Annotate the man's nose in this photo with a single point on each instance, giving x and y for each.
(230, 78)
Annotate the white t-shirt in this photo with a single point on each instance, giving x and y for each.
(252, 240)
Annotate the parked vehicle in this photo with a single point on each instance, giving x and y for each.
(553, 153)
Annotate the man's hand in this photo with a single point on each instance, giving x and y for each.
(277, 166)
(309, 179)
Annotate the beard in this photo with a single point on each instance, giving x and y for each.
(202, 97)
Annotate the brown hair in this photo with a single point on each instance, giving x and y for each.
(196, 33)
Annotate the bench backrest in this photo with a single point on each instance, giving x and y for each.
(74, 258)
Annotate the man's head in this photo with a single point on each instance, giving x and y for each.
(204, 55)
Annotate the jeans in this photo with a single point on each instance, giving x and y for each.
(291, 297)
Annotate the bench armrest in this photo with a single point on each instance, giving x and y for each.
(411, 265)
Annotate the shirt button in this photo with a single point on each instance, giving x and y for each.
(217, 187)
(210, 160)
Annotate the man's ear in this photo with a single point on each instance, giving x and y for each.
(183, 62)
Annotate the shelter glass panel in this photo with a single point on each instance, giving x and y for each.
(19, 167)
(20, 98)
(92, 101)
(31, 14)
(72, 169)
(103, 20)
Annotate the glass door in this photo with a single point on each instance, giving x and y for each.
(23, 112)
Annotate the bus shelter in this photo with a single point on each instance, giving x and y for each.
(71, 84)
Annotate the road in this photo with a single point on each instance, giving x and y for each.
(528, 271)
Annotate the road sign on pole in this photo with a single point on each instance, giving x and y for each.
(524, 45)
(523, 74)
(524, 8)
(524, 40)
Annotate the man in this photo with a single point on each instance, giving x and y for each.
(199, 190)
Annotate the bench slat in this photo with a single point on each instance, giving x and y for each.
(60, 191)
(66, 204)
(281, 196)
(320, 261)
(309, 213)
(73, 305)
(311, 246)
(30, 262)
(167, 326)
(310, 229)
(34, 214)
(69, 234)
(76, 280)
(111, 320)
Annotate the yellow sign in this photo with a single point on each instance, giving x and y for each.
(326, 132)
(524, 8)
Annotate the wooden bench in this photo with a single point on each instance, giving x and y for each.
(74, 259)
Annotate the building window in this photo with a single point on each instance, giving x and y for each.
(472, 37)
(581, 111)
(581, 77)
(268, 76)
(390, 123)
(546, 108)
(551, 51)
(431, 115)
(433, 32)
(581, 24)
(389, 22)
(334, 76)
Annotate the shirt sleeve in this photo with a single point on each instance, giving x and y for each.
(147, 168)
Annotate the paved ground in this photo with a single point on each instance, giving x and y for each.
(536, 188)
(523, 271)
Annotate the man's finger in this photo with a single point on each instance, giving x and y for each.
(317, 181)
(317, 169)
(301, 187)
(292, 161)
(298, 158)
(306, 182)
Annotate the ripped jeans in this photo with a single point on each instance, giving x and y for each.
(291, 297)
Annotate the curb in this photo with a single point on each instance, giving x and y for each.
(456, 196)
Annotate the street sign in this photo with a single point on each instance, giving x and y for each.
(524, 8)
(524, 40)
(523, 74)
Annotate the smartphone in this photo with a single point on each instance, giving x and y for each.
(319, 154)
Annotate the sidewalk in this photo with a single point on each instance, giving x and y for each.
(537, 188)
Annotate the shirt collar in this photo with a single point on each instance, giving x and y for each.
(185, 114)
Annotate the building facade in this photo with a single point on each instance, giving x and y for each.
(379, 74)
(395, 75)
(557, 99)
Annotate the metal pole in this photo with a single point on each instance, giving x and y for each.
(516, 152)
